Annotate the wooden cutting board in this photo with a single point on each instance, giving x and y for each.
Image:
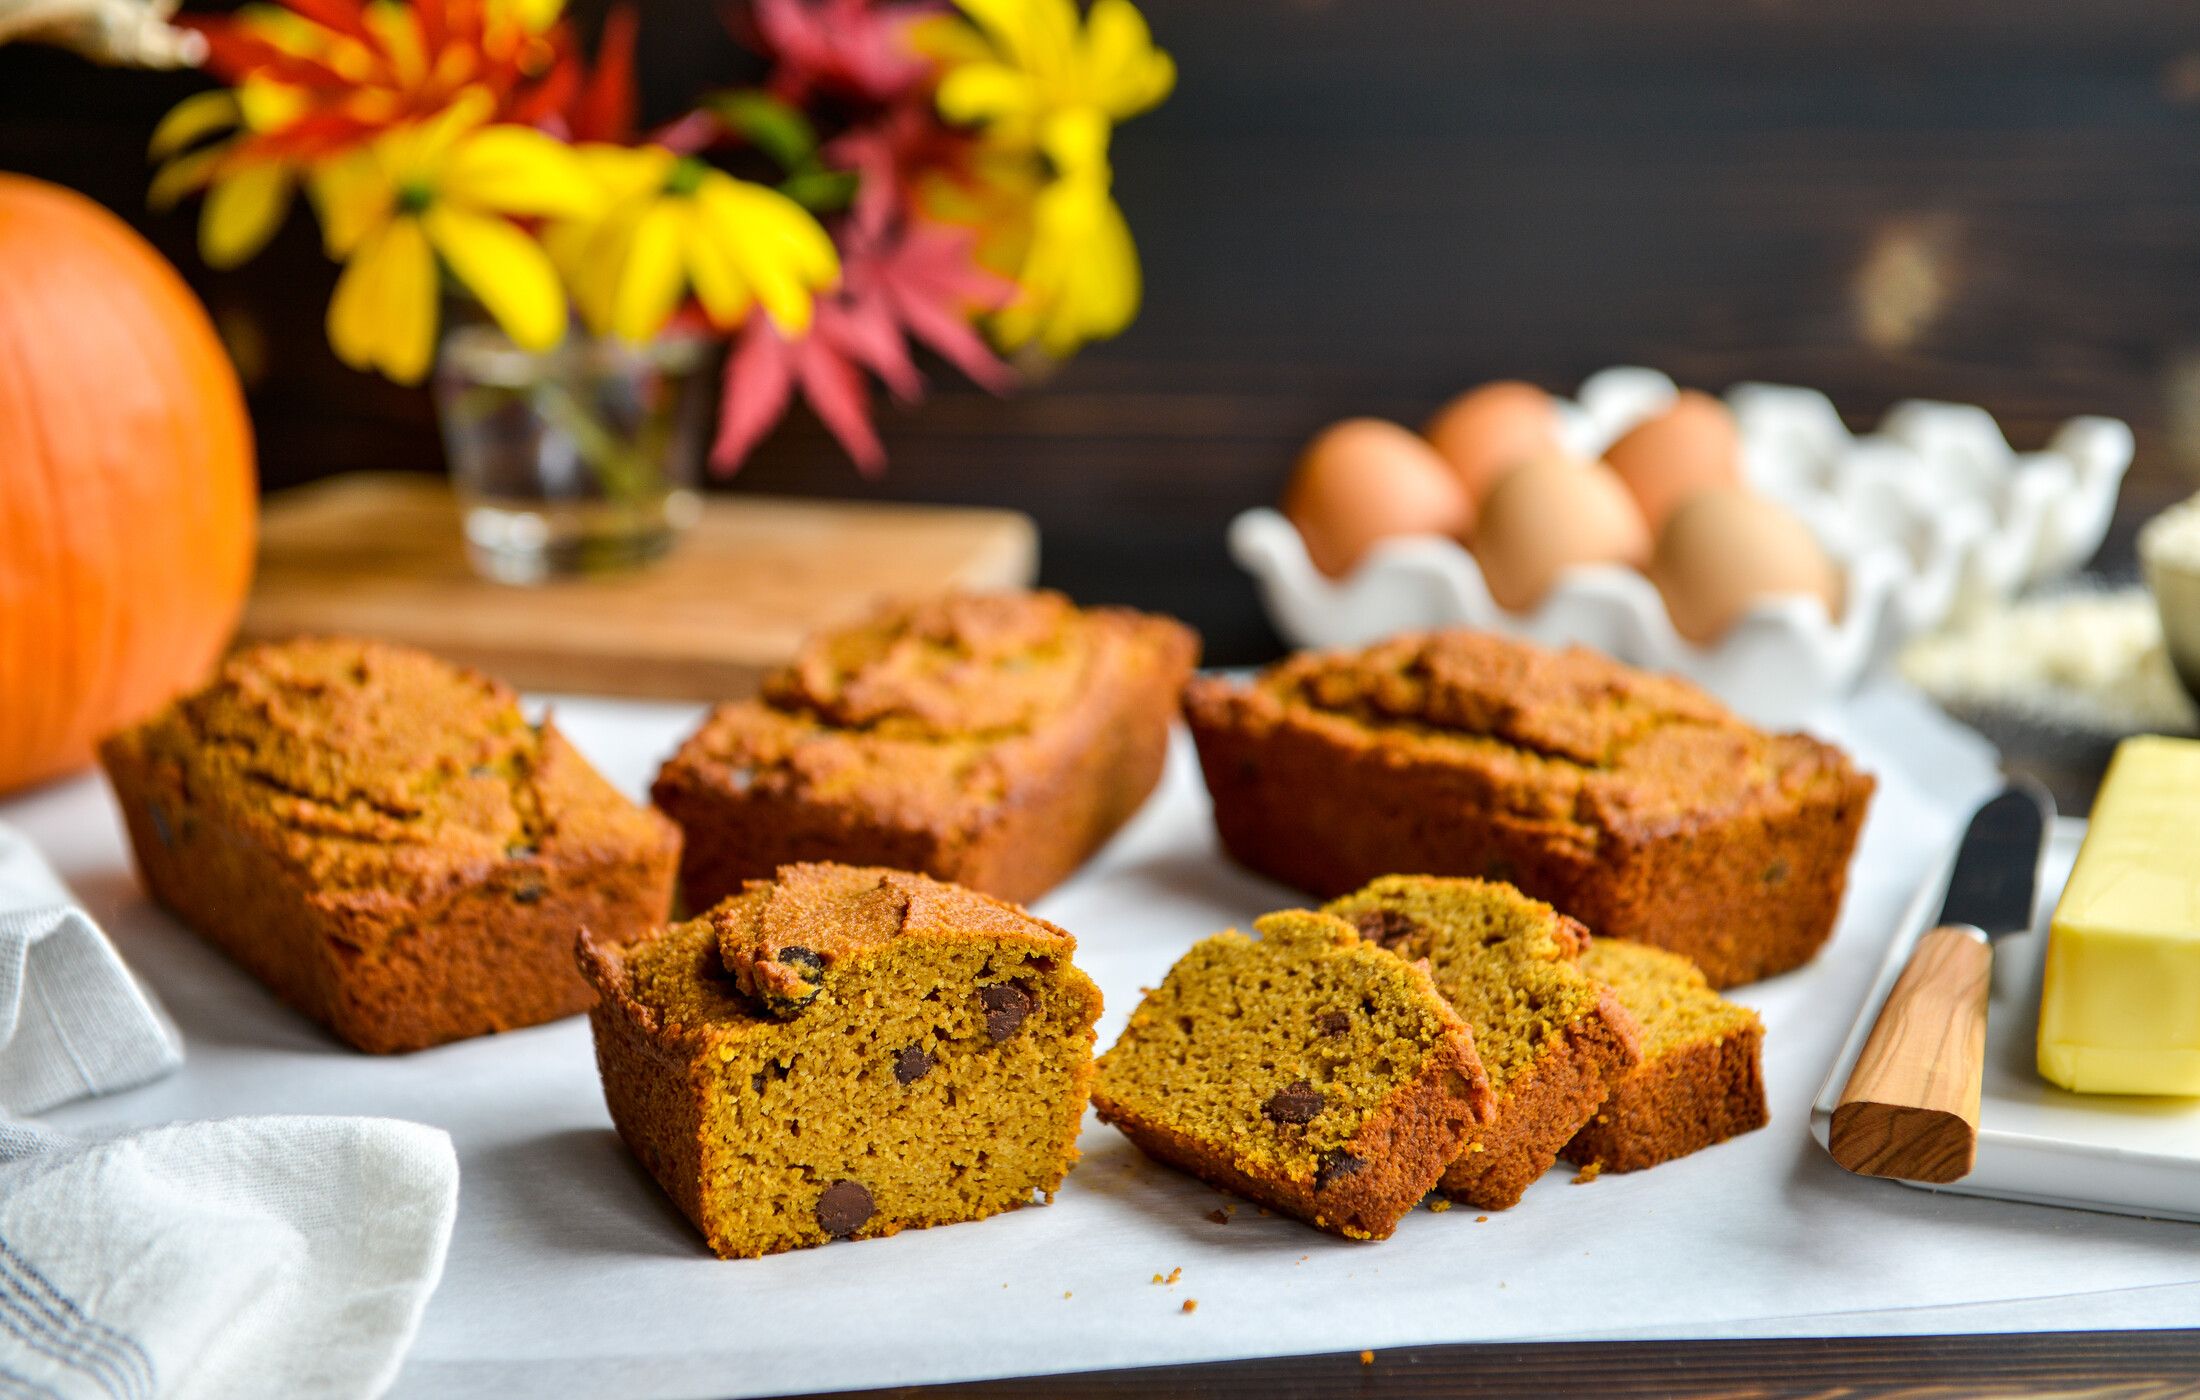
(381, 556)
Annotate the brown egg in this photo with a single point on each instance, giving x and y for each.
(1486, 432)
(1725, 550)
(1547, 516)
(1365, 480)
(1668, 458)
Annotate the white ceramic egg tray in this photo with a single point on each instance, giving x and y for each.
(1929, 516)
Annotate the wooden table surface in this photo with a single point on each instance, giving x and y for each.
(1361, 208)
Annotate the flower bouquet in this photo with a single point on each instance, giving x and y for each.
(906, 174)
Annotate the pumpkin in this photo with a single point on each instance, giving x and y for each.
(126, 481)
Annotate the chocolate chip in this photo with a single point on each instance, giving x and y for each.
(1295, 1103)
(1333, 1023)
(911, 1064)
(529, 893)
(1006, 1005)
(160, 826)
(843, 1208)
(1333, 1166)
(1385, 926)
(1219, 1216)
(784, 996)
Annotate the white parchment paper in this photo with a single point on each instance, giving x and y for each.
(569, 1275)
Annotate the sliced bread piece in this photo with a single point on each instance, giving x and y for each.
(1553, 1040)
(1701, 1079)
(1304, 1069)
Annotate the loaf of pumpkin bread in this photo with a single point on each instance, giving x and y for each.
(991, 740)
(841, 1053)
(385, 841)
(1633, 802)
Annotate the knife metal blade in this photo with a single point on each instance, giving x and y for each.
(1997, 870)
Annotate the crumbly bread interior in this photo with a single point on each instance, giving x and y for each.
(1276, 1048)
(881, 1079)
(1668, 995)
(1507, 963)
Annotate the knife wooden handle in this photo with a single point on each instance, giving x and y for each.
(1910, 1109)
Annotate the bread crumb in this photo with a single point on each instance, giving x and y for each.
(1174, 1275)
(1191, 1305)
(1481, 1220)
(1440, 1204)
(1588, 1174)
(1219, 1216)
(1157, 1278)
(1065, 1293)
(1367, 1358)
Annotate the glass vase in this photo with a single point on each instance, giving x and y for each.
(582, 459)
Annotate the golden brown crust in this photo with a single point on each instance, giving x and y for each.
(993, 741)
(1542, 1109)
(384, 841)
(1680, 1103)
(1633, 802)
(1403, 1148)
(679, 1036)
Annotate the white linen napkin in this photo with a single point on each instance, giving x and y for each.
(73, 1021)
(278, 1257)
(246, 1257)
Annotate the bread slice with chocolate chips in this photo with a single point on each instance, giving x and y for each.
(1554, 1039)
(1305, 1069)
(845, 1052)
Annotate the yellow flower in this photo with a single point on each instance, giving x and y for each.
(1039, 81)
(246, 200)
(444, 192)
(1020, 65)
(1079, 280)
(671, 223)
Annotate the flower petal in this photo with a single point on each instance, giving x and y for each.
(505, 269)
(718, 283)
(185, 174)
(1124, 73)
(384, 312)
(243, 210)
(654, 273)
(517, 170)
(352, 194)
(976, 93)
(196, 117)
(408, 293)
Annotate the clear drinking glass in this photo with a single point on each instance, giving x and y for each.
(582, 459)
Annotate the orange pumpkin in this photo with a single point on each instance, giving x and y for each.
(126, 481)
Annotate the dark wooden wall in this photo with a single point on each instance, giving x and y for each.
(1360, 207)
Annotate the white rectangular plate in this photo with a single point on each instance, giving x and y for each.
(2120, 1153)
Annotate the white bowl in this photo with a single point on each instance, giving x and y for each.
(1930, 516)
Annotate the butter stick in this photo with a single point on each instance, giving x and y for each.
(2120, 1010)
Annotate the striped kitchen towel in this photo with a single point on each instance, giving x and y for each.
(73, 1021)
(239, 1258)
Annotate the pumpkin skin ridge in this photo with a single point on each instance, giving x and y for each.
(127, 489)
